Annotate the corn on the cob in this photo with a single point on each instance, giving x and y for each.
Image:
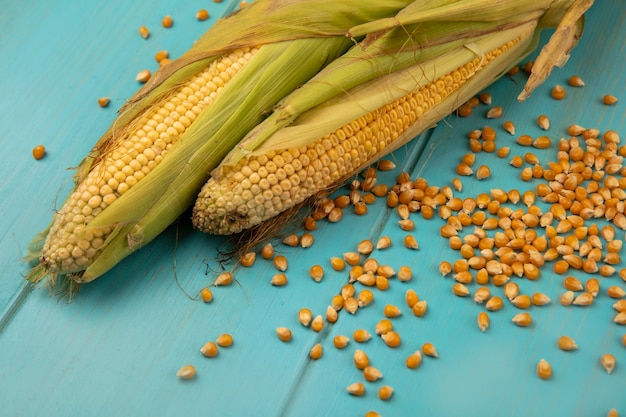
(194, 110)
(278, 166)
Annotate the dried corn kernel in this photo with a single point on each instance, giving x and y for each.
(209, 350)
(414, 360)
(429, 350)
(284, 334)
(316, 351)
(567, 343)
(358, 389)
(224, 340)
(186, 372)
(544, 370)
(341, 341)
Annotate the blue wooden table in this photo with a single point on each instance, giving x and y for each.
(116, 348)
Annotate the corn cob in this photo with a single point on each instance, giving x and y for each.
(183, 122)
(302, 150)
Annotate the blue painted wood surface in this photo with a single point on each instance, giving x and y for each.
(115, 349)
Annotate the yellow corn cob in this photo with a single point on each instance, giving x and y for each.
(71, 245)
(261, 187)
(147, 169)
(270, 173)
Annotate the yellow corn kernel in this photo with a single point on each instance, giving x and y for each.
(225, 278)
(419, 308)
(385, 392)
(391, 311)
(483, 321)
(305, 316)
(364, 298)
(567, 343)
(317, 325)
(284, 334)
(414, 360)
(361, 336)
(372, 374)
(209, 349)
(429, 350)
(224, 340)
(494, 303)
(316, 352)
(316, 272)
(280, 263)
(391, 338)
(358, 389)
(186, 372)
(206, 295)
(608, 362)
(341, 341)
(522, 319)
(544, 370)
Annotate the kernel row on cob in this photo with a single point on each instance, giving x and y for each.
(127, 191)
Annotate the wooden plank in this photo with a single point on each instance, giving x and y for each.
(116, 348)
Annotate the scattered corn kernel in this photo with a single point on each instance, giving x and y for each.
(522, 319)
(567, 343)
(385, 392)
(544, 370)
(419, 308)
(558, 92)
(575, 81)
(340, 341)
(608, 362)
(167, 22)
(429, 349)
(615, 291)
(540, 299)
(209, 349)
(224, 340)
(284, 334)
(143, 76)
(358, 389)
(305, 316)
(144, 32)
(280, 263)
(223, 279)
(317, 325)
(391, 338)
(39, 152)
(494, 303)
(372, 374)
(583, 299)
(609, 99)
(361, 336)
(414, 360)
(278, 280)
(483, 321)
(186, 372)
(206, 295)
(316, 352)
(202, 14)
(247, 259)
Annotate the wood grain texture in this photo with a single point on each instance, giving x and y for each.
(115, 349)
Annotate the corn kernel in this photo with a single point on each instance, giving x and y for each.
(186, 372)
(316, 351)
(209, 350)
(544, 370)
(341, 341)
(284, 334)
(567, 343)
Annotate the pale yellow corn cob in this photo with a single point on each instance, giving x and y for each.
(260, 187)
(70, 245)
